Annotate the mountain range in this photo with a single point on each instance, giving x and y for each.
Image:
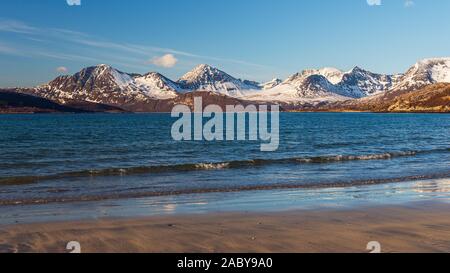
(105, 85)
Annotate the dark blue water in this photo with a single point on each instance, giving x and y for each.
(65, 158)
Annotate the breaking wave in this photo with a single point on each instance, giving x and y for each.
(190, 167)
(212, 166)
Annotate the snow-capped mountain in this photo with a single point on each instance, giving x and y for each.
(328, 83)
(322, 84)
(306, 86)
(333, 84)
(207, 78)
(309, 84)
(425, 72)
(104, 84)
(359, 83)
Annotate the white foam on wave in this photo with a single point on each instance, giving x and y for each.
(212, 166)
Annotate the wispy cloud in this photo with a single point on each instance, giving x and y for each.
(149, 50)
(138, 54)
(64, 56)
(16, 27)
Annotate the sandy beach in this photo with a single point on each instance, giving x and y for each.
(412, 228)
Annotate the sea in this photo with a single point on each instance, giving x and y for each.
(88, 166)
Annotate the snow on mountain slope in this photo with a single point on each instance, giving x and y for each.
(310, 85)
(332, 74)
(440, 72)
(359, 83)
(271, 84)
(156, 85)
(286, 93)
(104, 84)
(122, 80)
(425, 72)
(328, 83)
(207, 78)
(306, 86)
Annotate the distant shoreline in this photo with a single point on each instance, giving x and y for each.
(137, 113)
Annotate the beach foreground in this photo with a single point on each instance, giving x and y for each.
(412, 228)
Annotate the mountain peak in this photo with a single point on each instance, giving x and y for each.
(153, 74)
(425, 72)
(333, 75)
(98, 70)
(207, 78)
(102, 67)
(205, 74)
(201, 70)
(203, 66)
(358, 69)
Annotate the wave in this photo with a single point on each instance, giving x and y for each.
(190, 167)
(212, 166)
(147, 194)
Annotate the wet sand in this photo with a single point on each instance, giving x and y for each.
(408, 228)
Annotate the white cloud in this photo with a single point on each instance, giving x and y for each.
(62, 69)
(74, 2)
(166, 61)
(409, 3)
(374, 2)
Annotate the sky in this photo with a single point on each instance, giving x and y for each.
(249, 39)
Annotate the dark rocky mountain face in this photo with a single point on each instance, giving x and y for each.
(360, 83)
(315, 85)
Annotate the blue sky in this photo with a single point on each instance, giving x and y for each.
(252, 39)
